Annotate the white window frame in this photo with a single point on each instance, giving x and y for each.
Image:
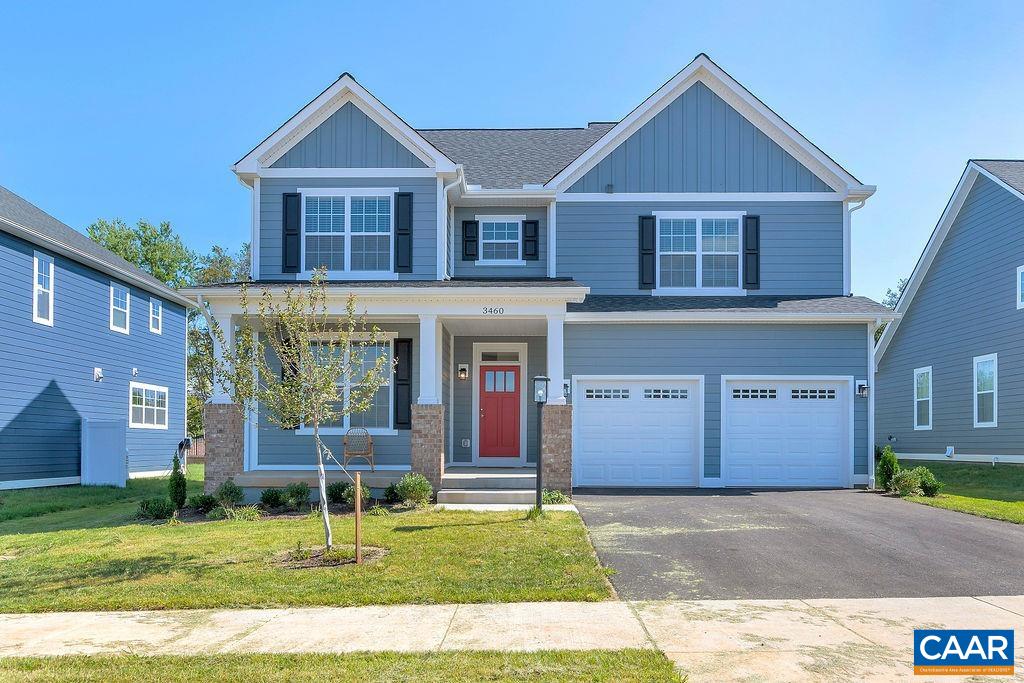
(699, 290)
(159, 317)
(127, 310)
(132, 386)
(37, 258)
(518, 261)
(348, 193)
(389, 340)
(995, 389)
(1017, 286)
(917, 373)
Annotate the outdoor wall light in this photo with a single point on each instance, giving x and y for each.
(97, 374)
(862, 389)
(463, 371)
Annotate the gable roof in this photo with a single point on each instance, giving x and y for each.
(23, 219)
(1006, 173)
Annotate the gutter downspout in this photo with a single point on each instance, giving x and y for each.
(848, 243)
(459, 179)
(872, 326)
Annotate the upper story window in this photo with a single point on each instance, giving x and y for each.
(986, 384)
(923, 398)
(501, 239)
(156, 315)
(699, 253)
(348, 230)
(42, 289)
(1020, 287)
(147, 407)
(120, 307)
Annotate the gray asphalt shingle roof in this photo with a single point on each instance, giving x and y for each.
(1010, 171)
(783, 305)
(510, 158)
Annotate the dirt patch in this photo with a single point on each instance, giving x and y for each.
(319, 556)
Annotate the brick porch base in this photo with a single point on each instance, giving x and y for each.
(224, 443)
(556, 446)
(427, 457)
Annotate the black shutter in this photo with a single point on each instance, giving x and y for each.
(288, 372)
(752, 252)
(403, 232)
(403, 384)
(291, 245)
(648, 252)
(531, 237)
(470, 240)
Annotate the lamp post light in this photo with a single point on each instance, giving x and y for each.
(540, 395)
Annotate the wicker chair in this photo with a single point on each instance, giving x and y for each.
(358, 444)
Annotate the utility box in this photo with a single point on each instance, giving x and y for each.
(104, 453)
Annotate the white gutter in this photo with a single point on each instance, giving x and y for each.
(573, 294)
(636, 317)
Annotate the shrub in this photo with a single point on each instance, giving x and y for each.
(336, 492)
(886, 469)
(247, 513)
(414, 489)
(229, 494)
(297, 494)
(350, 495)
(554, 497)
(391, 494)
(202, 502)
(177, 484)
(930, 485)
(378, 511)
(156, 508)
(273, 498)
(906, 483)
(217, 513)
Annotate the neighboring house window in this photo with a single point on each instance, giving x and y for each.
(1020, 287)
(699, 251)
(42, 289)
(120, 306)
(156, 315)
(501, 239)
(923, 398)
(986, 385)
(348, 230)
(377, 416)
(148, 407)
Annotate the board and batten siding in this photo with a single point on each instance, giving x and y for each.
(699, 143)
(714, 350)
(965, 307)
(46, 373)
(801, 243)
(348, 138)
(424, 220)
(481, 269)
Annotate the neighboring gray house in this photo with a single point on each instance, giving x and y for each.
(951, 367)
(682, 275)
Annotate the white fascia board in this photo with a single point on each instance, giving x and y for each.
(634, 317)
(700, 197)
(347, 173)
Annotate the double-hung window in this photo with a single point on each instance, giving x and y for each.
(376, 417)
(348, 230)
(986, 386)
(120, 307)
(501, 240)
(42, 289)
(923, 398)
(699, 253)
(148, 406)
(156, 315)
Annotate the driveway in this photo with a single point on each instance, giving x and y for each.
(797, 544)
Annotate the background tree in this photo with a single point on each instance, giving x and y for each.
(156, 249)
(891, 298)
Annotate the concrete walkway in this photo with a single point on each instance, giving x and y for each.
(777, 640)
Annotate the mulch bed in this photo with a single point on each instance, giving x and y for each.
(312, 558)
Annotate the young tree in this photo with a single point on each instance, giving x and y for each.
(328, 367)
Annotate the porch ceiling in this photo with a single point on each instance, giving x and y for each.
(490, 327)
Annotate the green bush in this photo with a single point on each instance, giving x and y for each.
(217, 513)
(202, 502)
(554, 497)
(177, 484)
(156, 508)
(391, 494)
(886, 469)
(297, 494)
(246, 513)
(229, 494)
(378, 511)
(273, 498)
(336, 492)
(906, 483)
(414, 489)
(930, 485)
(350, 495)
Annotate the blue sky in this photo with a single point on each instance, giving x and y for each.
(138, 110)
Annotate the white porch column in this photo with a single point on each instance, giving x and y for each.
(430, 360)
(219, 395)
(556, 359)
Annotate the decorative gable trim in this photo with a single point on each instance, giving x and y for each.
(743, 101)
(343, 91)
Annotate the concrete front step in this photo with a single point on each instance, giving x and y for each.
(486, 496)
(489, 478)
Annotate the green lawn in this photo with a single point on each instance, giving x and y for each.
(978, 489)
(101, 558)
(567, 666)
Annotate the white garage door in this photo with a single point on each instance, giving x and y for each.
(637, 433)
(786, 433)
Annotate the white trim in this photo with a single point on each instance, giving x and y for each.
(847, 248)
(629, 317)
(1017, 286)
(132, 424)
(746, 197)
(441, 242)
(127, 311)
(453, 377)
(36, 318)
(348, 193)
(149, 474)
(330, 468)
(523, 350)
(254, 240)
(346, 173)
(500, 218)
(699, 289)
(964, 457)
(552, 241)
(159, 329)
(995, 389)
(918, 372)
(37, 483)
(872, 376)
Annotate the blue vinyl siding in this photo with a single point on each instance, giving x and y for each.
(348, 139)
(424, 218)
(966, 306)
(46, 383)
(714, 350)
(699, 143)
(801, 243)
(479, 269)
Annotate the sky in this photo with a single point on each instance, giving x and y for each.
(138, 110)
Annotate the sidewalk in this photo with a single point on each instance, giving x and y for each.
(869, 639)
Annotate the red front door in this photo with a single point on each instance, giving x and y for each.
(499, 411)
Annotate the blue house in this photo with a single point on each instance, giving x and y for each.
(681, 275)
(951, 368)
(84, 335)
